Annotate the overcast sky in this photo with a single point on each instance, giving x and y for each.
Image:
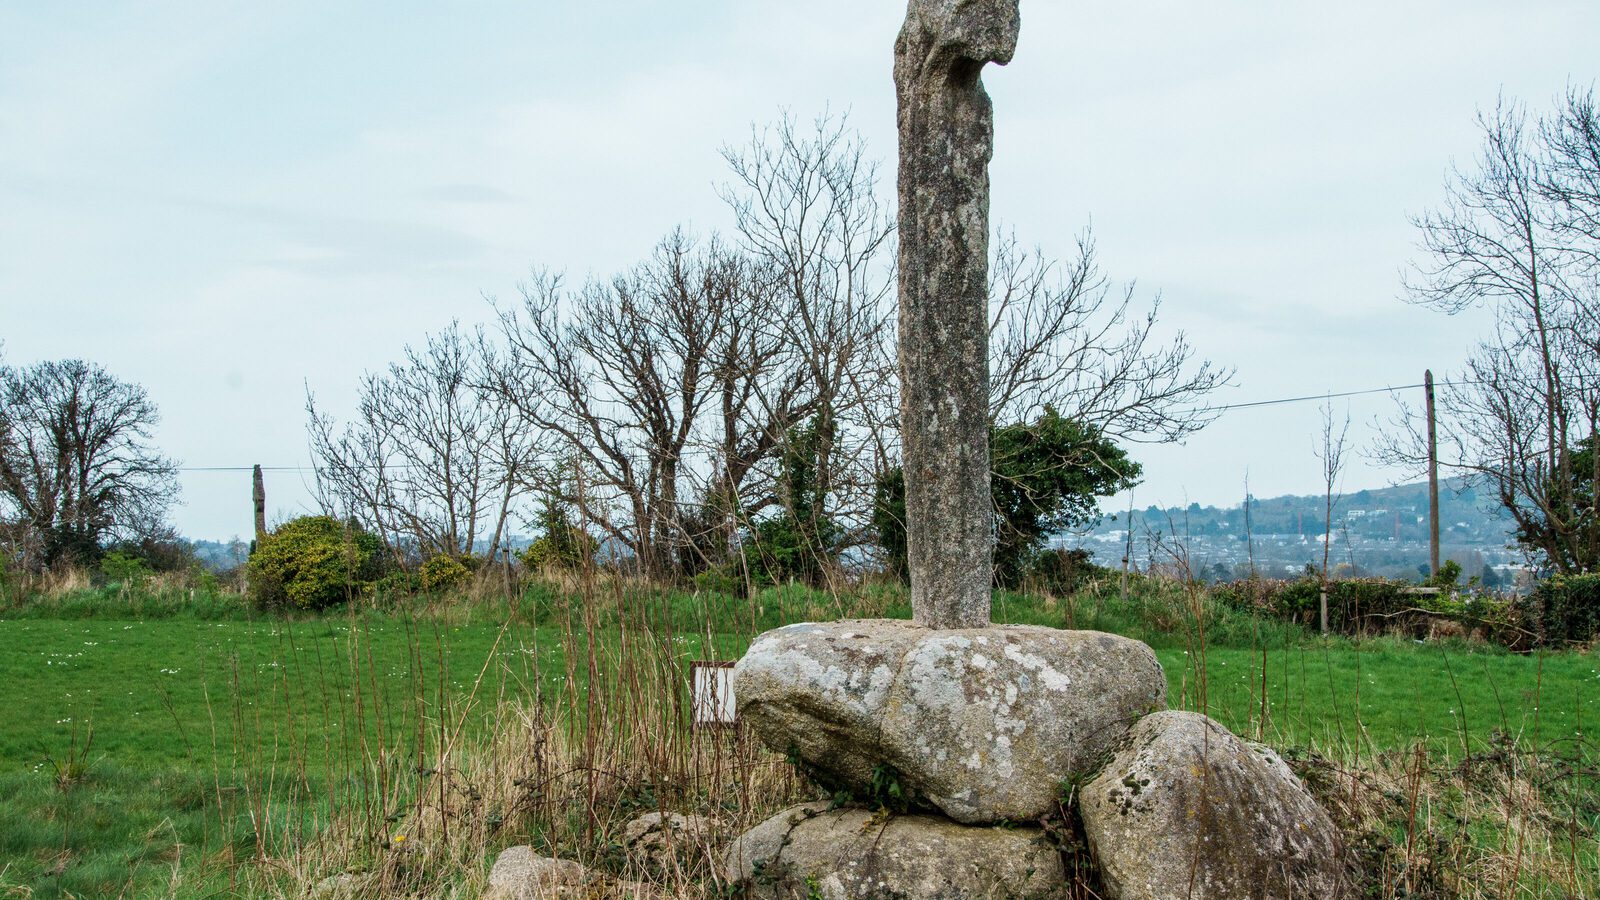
(229, 202)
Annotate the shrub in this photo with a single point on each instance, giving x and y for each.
(721, 580)
(204, 580)
(1375, 606)
(563, 546)
(800, 543)
(397, 583)
(1049, 476)
(1567, 608)
(313, 562)
(1063, 571)
(123, 568)
(785, 548)
(889, 521)
(1448, 577)
(162, 551)
(1355, 605)
(1506, 620)
(444, 572)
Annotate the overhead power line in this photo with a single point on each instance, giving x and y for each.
(1573, 381)
(1308, 397)
(273, 468)
(1227, 407)
(244, 468)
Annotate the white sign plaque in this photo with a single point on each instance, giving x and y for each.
(713, 693)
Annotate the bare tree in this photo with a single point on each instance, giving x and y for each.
(807, 212)
(1064, 345)
(355, 465)
(519, 450)
(763, 391)
(77, 463)
(1572, 185)
(1061, 336)
(1331, 452)
(628, 368)
(431, 459)
(1571, 182)
(1511, 235)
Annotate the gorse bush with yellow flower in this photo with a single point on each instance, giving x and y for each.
(313, 562)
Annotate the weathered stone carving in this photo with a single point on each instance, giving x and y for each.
(946, 140)
(987, 724)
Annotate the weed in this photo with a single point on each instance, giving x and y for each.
(72, 768)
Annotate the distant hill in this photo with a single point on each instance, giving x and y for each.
(1399, 512)
(1380, 531)
(220, 556)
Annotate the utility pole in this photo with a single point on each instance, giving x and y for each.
(258, 494)
(1433, 478)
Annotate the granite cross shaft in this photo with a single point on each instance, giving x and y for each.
(946, 139)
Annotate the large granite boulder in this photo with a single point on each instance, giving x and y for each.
(1185, 809)
(847, 854)
(984, 724)
(817, 692)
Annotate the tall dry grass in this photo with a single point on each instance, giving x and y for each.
(575, 755)
(1510, 821)
(571, 758)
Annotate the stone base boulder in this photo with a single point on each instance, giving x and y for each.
(810, 852)
(984, 724)
(654, 840)
(342, 886)
(1187, 810)
(521, 874)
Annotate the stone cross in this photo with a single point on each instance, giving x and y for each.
(946, 139)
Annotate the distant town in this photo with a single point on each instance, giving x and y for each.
(1378, 532)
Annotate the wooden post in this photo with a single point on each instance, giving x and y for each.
(258, 494)
(1433, 478)
(1127, 548)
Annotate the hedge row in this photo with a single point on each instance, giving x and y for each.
(314, 562)
(1560, 611)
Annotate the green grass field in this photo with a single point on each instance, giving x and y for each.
(173, 732)
(136, 748)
